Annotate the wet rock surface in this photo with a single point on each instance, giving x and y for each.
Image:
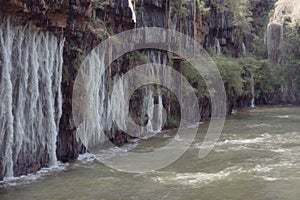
(84, 25)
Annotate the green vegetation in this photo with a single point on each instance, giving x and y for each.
(268, 77)
(240, 9)
(138, 58)
(179, 7)
(236, 74)
(99, 29)
(195, 80)
(202, 5)
(172, 122)
(100, 4)
(290, 53)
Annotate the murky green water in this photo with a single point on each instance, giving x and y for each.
(257, 157)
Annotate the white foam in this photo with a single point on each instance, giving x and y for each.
(244, 141)
(27, 179)
(267, 178)
(264, 169)
(258, 125)
(264, 137)
(166, 136)
(191, 179)
(282, 116)
(115, 151)
(177, 138)
(85, 156)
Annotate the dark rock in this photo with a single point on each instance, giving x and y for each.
(78, 21)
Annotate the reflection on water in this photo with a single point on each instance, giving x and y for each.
(257, 157)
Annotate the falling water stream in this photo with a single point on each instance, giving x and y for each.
(217, 46)
(154, 113)
(98, 109)
(257, 157)
(30, 93)
(252, 91)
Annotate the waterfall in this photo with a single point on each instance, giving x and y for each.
(30, 92)
(274, 38)
(154, 112)
(97, 109)
(160, 112)
(148, 105)
(252, 91)
(275, 27)
(275, 32)
(95, 106)
(244, 49)
(132, 10)
(217, 46)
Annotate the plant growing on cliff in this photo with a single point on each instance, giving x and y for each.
(241, 15)
(236, 74)
(138, 58)
(203, 7)
(98, 28)
(268, 77)
(179, 7)
(194, 79)
(290, 53)
(100, 4)
(231, 71)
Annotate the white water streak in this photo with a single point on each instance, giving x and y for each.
(30, 92)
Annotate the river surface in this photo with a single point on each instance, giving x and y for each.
(257, 157)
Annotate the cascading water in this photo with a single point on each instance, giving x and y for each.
(217, 46)
(132, 10)
(149, 108)
(252, 91)
(95, 106)
(275, 29)
(244, 49)
(160, 112)
(154, 112)
(99, 111)
(30, 92)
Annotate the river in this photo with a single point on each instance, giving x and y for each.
(257, 157)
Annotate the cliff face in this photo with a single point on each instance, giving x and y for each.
(31, 70)
(85, 23)
(64, 19)
(221, 33)
(83, 26)
(282, 27)
(52, 15)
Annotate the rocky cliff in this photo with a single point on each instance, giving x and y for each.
(85, 23)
